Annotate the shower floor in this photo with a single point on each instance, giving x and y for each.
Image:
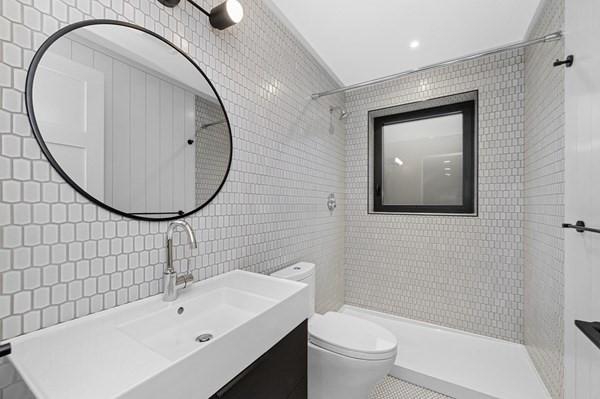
(456, 363)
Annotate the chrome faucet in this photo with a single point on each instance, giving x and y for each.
(170, 278)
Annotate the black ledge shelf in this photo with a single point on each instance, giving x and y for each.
(590, 329)
(5, 349)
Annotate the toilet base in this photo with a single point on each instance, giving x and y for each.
(333, 376)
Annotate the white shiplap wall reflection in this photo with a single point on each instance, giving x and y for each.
(148, 166)
(62, 257)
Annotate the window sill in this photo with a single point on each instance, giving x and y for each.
(468, 215)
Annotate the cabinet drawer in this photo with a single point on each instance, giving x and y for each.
(278, 374)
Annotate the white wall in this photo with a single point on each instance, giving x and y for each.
(543, 207)
(582, 194)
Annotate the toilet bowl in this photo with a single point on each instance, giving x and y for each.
(347, 356)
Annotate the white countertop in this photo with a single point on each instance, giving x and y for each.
(95, 358)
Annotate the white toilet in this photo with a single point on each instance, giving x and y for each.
(347, 356)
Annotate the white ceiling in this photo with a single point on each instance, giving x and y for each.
(361, 40)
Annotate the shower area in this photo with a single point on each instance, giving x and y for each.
(474, 298)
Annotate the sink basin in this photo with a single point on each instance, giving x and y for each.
(173, 333)
(153, 349)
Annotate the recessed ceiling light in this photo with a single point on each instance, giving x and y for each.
(398, 161)
(448, 174)
(414, 44)
(447, 168)
(447, 161)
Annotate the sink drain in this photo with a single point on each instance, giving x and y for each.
(204, 338)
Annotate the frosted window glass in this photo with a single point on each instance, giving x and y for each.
(423, 161)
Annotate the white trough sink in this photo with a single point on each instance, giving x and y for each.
(153, 349)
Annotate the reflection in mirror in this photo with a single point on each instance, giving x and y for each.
(129, 120)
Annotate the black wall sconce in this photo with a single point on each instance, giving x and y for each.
(226, 14)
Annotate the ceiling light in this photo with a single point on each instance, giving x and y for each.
(447, 168)
(414, 44)
(226, 14)
(447, 161)
(447, 174)
(398, 161)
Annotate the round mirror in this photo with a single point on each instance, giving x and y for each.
(128, 120)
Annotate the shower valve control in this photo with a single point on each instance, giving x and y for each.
(331, 202)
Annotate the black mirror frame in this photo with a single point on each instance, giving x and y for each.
(38, 136)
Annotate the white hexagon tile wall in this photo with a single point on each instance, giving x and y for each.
(62, 257)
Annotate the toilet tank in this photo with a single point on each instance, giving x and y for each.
(303, 272)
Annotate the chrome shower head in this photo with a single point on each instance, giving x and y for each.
(343, 113)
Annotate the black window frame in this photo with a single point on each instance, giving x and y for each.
(469, 111)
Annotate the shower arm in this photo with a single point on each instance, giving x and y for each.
(211, 124)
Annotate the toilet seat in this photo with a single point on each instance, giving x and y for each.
(350, 336)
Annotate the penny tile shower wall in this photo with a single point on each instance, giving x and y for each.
(462, 272)
(61, 257)
(544, 200)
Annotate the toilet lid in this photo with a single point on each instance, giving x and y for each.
(351, 336)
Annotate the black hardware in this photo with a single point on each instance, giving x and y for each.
(579, 227)
(190, 141)
(173, 3)
(159, 213)
(590, 329)
(169, 3)
(568, 62)
(219, 17)
(202, 10)
(5, 349)
(378, 190)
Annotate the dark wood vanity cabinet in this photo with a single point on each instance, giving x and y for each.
(281, 373)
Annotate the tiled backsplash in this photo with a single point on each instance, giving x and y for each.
(543, 241)
(62, 257)
(462, 272)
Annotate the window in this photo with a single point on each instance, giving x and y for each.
(424, 157)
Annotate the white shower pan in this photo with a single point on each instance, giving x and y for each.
(457, 363)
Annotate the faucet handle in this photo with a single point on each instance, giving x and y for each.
(185, 279)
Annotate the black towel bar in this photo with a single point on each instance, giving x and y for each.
(568, 62)
(580, 227)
